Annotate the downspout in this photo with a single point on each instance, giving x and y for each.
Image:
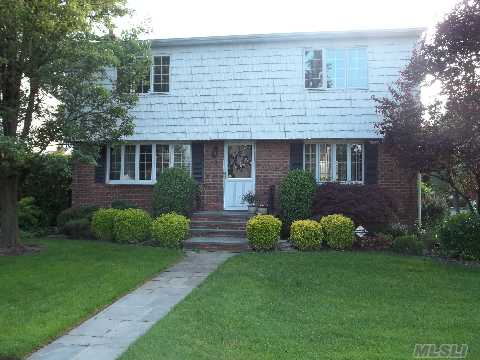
(419, 200)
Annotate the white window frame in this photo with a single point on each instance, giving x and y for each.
(324, 68)
(333, 161)
(151, 76)
(137, 180)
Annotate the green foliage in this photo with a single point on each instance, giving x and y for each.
(408, 244)
(306, 234)
(29, 215)
(132, 226)
(75, 213)
(78, 229)
(49, 180)
(434, 206)
(123, 204)
(296, 195)
(263, 231)
(103, 221)
(14, 153)
(170, 230)
(250, 198)
(460, 236)
(175, 191)
(338, 231)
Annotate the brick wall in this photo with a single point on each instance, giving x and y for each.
(211, 197)
(400, 183)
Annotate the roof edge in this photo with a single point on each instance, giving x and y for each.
(281, 37)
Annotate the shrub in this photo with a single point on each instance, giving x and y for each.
(132, 226)
(460, 236)
(306, 234)
(263, 231)
(434, 206)
(397, 229)
(103, 221)
(367, 205)
(170, 230)
(75, 213)
(29, 215)
(175, 191)
(338, 231)
(296, 193)
(123, 204)
(379, 241)
(408, 244)
(78, 229)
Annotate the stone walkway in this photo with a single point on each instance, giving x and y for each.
(110, 332)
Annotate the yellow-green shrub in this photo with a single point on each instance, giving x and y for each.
(263, 231)
(132, 226)
(306, 234)
(170, 230)
(103, 221)
(338, 231)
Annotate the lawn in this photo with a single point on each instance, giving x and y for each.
(43, 294)
(327, 305)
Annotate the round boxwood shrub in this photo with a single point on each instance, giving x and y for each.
(306, 234)
(103, 221)
(459, 236)
(132, 226)
(338, 231)
(296, 195)
(263, 232)
(408, 244)
(175, 191)
(170, 230)
(75, 213)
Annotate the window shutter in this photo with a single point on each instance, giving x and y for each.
(296, 155)
(197, 161)
(101, 167)
(371, 164)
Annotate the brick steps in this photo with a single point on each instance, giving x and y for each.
(217, 244)
(211, 224)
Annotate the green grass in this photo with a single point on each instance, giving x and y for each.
(44, 294)
(327, 305)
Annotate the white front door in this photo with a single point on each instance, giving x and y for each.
(239, 174)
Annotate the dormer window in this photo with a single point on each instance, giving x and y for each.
(336, 68)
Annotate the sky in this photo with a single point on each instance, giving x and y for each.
(191, 18)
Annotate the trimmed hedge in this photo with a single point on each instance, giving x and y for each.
(459, 236)
(75, 213)
(263, 232)
(408, 244)
(296, 194)
(78, 229)
(306, 234)
(103, 223)
(132, 226)
(367, 205)
(170, 230)
(338, 231)
(175, 191)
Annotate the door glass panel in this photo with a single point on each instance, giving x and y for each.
(240, 161)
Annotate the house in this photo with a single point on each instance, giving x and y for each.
(239, 111)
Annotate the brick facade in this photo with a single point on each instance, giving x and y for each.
(272, 164)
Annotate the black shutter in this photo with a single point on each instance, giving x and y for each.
(101, 167)
(197, 161)
(296, 155)
(371, 163)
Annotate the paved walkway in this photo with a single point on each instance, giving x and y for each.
(110, 332)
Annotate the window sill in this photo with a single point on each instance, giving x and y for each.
(335, 89)
(341, 182)
(130, 182)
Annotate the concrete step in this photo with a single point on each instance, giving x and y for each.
(209, 232)
(218, 224)
(221, 216)
(226, 243)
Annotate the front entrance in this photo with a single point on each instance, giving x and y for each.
(239, 174)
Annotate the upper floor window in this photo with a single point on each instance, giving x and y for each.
(336, 68)
(158, 78)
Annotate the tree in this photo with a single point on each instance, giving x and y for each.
(441, 137)
(58, 84)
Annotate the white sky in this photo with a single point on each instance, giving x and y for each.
(187, 18)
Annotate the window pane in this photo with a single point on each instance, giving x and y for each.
(341, 162)
(357, 68)
(356, 165)
(161, 72)
(115, 162)
(163, 158)
(182, 157)
(129, 163)
(144, 84)
(240, 161)
(325, 153)
(335, 59)
(145, 162)
(310, 158)
(313, 69)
